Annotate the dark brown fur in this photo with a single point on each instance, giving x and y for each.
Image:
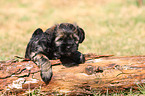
(61, 41)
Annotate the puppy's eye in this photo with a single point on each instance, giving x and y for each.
(58, 39)
(76, 40)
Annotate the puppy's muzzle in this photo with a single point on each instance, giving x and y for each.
(68, 48)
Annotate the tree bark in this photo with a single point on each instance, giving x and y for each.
(98, 74)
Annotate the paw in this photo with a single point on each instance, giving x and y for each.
(78, 57)
(82, 59)
(46, 75)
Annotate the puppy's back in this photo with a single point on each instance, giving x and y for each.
(31, 45)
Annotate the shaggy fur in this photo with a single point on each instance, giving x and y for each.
(61, 41)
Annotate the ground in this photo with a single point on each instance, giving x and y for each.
(111, 26)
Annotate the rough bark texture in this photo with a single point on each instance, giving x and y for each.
(98, 74)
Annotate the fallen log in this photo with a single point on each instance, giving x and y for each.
(104, 73)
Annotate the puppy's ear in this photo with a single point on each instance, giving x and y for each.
(50, 33)
(37, 32)
(62, 26)
(81, 34)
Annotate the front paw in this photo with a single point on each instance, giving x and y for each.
(46, 75)
(46, 69)
(78, 57)
(74, 59)
(82, 59)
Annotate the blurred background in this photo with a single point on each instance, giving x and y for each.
(115, 27)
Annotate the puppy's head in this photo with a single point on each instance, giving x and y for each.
(67, 38)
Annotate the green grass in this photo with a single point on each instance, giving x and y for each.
(111, 26)
(141, 88)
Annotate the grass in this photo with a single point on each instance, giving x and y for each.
(141, 88)
(111, 26)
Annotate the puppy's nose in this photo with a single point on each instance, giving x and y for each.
(68, 47)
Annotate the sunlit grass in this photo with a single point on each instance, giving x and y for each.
(141, 88)
(111, 26)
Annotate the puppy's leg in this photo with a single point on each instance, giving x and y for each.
(73, 60)
(78, 57)
(46, 69)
